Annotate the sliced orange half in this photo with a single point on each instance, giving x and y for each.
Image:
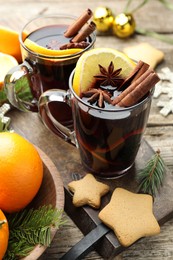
(87, 66)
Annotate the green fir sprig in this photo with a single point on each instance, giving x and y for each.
(29, 228)
(167, 4)
(162, 37)
(158, 36)
(151, 177)
(141, 3)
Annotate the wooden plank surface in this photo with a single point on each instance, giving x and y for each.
(67, 160)
(159, 133)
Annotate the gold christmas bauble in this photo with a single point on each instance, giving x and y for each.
(103, 18)
(124, 25)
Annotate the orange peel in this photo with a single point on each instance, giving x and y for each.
(44, 51)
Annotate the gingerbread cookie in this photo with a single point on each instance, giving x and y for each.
(146, 53)
(88, 191)
(130, 216)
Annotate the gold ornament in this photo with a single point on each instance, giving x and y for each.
(124, 25)
(103, 18)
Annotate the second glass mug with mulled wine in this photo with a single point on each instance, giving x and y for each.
(50, 52)
(108, 136)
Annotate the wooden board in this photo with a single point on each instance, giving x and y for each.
(67, 161)
(86, 218)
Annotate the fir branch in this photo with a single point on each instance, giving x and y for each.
(159, 36)
(166, 4)
(151, 177)
(126, 9)
(29, 228)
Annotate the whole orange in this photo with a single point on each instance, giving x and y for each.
(21, 172)
(4, 234)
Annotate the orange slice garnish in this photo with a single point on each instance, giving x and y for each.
(87, 66)
(44, 51)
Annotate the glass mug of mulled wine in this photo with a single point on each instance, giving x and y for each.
(51, 61)
(108, 137)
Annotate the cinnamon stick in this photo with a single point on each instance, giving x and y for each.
(140, 68)
(138, 89)
(131, 87)
(73, 29)
(83, 34)
(71, 45)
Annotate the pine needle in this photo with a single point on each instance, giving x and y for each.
(29, 228)
(151, 177)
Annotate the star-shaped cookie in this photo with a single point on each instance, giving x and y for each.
(88, 191)
(130, 216)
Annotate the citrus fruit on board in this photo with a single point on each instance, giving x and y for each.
(44, 51)
(88, 66)
(9, 42)
(4, 234)
(21, 172)
(7, 62)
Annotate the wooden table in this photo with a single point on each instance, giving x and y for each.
(159, 132)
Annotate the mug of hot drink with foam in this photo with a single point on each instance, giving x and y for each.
(110, 96)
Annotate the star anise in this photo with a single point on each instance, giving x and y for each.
(99, 96)
(109, 76)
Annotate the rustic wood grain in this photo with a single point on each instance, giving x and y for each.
(159, 132)
(67, 160)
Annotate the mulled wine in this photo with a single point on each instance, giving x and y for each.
(111, 115)
(110, 111)
(109, 138)
(52, 73)
(49, 56)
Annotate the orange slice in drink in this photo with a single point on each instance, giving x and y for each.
(44, 51)
(7, 62)
(87, 66)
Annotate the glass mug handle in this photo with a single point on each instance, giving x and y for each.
(56, 95)
(17, 85)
